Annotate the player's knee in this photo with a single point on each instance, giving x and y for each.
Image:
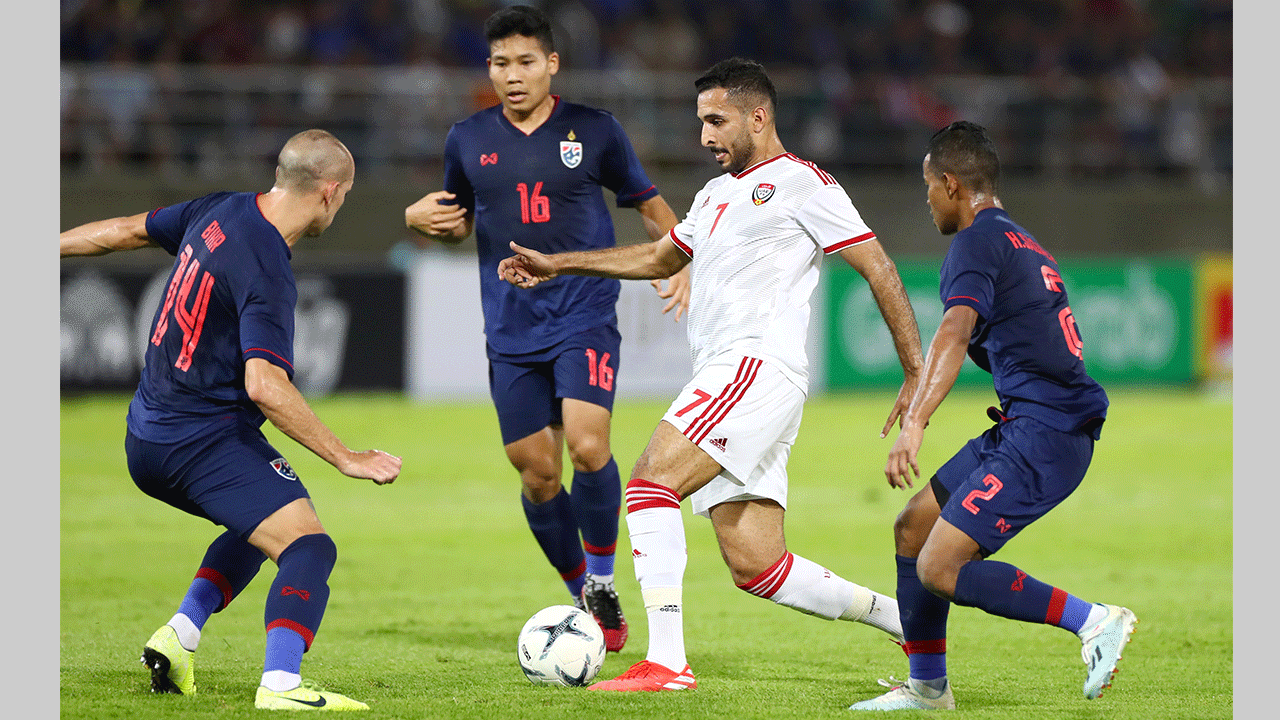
(589, 453)
(319, 547)
(908, 535)
(936, 576)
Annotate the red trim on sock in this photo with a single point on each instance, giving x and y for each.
(1057, 602)
(576, 572)
(287, 624)
(216, 578)
(642, 494)
(597, 550)
(928, 647)
(770, 581)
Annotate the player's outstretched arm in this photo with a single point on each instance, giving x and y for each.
(431, 218)
(105, 236)
(871, 261)
(941, 368)
(658, 220)
(269, 387)
(644, 261)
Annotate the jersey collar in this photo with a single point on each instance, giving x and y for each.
(762, 162)
(506, 122)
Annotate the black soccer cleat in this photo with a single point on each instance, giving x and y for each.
(602, 602)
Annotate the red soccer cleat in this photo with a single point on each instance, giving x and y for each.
(646, 676)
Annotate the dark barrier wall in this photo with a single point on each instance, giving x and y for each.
(349, 334)
(1153, 217)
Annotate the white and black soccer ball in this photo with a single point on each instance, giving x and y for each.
(561, 645)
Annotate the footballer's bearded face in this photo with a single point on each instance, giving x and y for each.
(726, 131)
(521, 71)
(944, 204)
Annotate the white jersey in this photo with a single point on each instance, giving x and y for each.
(756, 239)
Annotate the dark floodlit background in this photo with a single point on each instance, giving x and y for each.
(1113, 119)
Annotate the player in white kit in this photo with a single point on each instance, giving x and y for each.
(755, 237)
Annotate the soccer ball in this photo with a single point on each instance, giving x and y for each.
(561, 645)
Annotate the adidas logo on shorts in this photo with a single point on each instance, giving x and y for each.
(720, 443)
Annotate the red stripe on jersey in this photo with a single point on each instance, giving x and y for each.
(759, 164)
(679, 243)
(726, 407)
(642, 495)
(825, 176)
(215, 577)
(930, 647)
(628, 197)
(849, 243)
(1057, 602)
(769, 582)
(961, 297)
(286, 362)
(699, 428)
(307, 635)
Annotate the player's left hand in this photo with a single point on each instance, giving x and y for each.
(677, 289)
(902, 458)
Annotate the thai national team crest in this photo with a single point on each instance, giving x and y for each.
(281, 466)
(570, 153)
(762, 193)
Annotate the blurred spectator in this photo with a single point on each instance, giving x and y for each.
(1099, 86)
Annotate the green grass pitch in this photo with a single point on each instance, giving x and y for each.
(437, 573)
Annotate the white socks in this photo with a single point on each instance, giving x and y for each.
(659, 555)
(188, 633)
(280, 680)
(804, 585)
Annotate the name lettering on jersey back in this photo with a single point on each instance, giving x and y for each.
(213, 236)
(1023, 241)
(490, 159)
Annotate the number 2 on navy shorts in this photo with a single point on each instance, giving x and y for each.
(1011, 476)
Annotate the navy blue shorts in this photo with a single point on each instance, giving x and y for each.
(233, 478)
(1010, 476)
(527, 393)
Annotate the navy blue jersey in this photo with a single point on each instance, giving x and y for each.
(542, 190)
(230, 297)
(1026, 336)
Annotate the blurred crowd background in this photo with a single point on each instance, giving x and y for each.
(1073, 89)
(1113, 119)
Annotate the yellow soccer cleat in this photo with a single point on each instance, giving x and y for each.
(172, 666)
(307, 696)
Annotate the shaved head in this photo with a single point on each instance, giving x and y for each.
(313, 157)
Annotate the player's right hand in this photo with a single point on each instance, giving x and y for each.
(429, 215)
(526, 268)
(382, 468)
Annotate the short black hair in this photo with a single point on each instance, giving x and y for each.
(965, 150)
(520, 20)
(745, 80)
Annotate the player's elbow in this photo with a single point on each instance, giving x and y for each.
(263, 382)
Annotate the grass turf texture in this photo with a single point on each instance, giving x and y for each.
(437, 573)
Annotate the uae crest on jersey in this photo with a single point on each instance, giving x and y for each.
(570, 151)
(762, 193)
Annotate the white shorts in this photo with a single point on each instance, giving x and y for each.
(745, 414)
